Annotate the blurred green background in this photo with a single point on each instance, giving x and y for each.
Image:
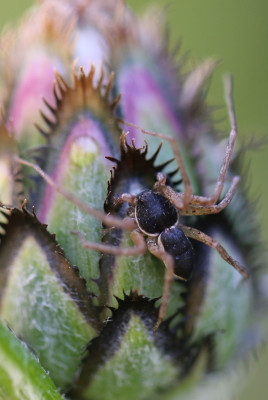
(235, 32)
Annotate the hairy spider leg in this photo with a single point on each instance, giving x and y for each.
(140, 248)
(195, 207)
(213, 243)
(228, 91)
(136, 237)
(214, 208)
(109, 220)
(169, 274)
(6, 207)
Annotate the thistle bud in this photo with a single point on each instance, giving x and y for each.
(83, 286)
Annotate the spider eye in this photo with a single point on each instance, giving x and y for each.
(154, 213)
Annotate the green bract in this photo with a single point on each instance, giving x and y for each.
(21, 375)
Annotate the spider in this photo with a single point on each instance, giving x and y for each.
(157, 213)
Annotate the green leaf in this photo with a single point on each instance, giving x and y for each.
(21, 375)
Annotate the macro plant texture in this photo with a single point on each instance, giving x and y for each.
(79, 322)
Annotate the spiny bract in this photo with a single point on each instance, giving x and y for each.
(76, 323)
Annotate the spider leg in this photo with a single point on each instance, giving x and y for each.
(117, 201)
(185, 178)
(129, 198)
(215, 208)
(137, 238)
(228, 86)
(198, 204)
(209, 241)
(6, 207)
(160, 185)
(109, 220)
(169, 273)
(174, 197)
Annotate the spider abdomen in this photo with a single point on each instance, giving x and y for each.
(154, 213)
(177, 244)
